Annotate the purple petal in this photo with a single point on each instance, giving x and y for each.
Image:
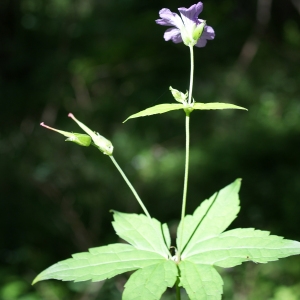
(208, 33)
(201, 42)
(190, 15)
(193, 11)
(169, 19)
(173, 34)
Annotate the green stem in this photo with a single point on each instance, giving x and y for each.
(178, 295)
(191, 74)
(186, 175)
(131, 187)
(187, 153)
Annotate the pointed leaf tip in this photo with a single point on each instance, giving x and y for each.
(216, 105)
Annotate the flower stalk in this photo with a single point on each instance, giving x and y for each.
(130, 186)
(191, 74)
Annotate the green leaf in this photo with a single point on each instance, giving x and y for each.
(200, 281)
(233, 247)
(151, 282)
(157, 109)
(216, 105)
(100, 263)
(163, 108)
(142, 232)
(211, 218)
(204, 244)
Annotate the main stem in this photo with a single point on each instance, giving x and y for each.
(187, 154)
(131, 187)
(178, 295)
(186, 175)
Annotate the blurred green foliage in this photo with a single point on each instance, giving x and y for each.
(104, 60)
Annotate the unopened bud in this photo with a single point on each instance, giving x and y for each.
(178, 96)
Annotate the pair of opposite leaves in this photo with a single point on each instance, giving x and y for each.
(203, 245)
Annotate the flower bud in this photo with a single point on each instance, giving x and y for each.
(78, 138)
(99, 141)
(178, 96)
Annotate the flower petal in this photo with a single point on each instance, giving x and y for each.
(173, 34)
(201, 42)
(190, 15)
(208, 33)
(169, 19)
(193, 11)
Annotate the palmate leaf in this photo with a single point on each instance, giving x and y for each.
(204, 245)
(163, 108)
(142, 232)
(100, 263)
(151, 282)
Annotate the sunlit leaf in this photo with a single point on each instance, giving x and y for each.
(211, 218)
(157, 109)
(216, 105)
(142, 232)
(233, 247)
(200, 281)
(151, 282)
(100, 263)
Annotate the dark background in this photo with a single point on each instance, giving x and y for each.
(106, 59)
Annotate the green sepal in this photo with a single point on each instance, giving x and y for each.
(198, 31)
(80, 139)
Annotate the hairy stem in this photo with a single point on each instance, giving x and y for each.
(131, 187)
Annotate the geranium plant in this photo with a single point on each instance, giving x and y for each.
(202, 242)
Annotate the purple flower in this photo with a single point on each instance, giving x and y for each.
(188, 29)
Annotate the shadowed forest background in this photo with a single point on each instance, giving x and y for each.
(104, 60)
